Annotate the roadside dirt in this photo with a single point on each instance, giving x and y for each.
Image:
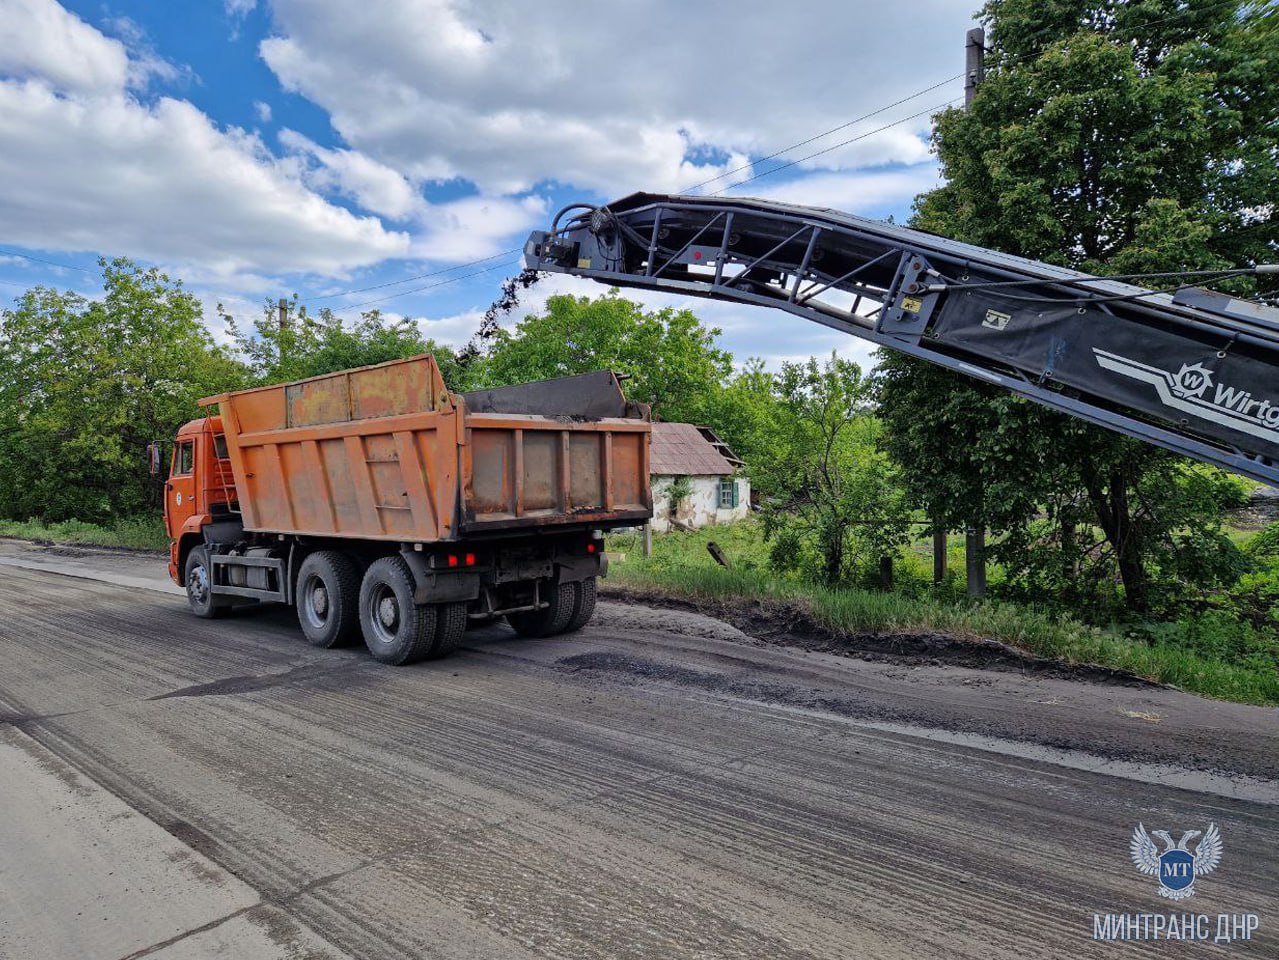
(53, 548)
(789, 625)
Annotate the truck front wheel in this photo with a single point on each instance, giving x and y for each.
(199, 582)
(328, 599)
(551, 619)
(396, 630)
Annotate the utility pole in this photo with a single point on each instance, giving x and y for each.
(886, 574)
(283, 307)
(975, 555)
(974, 538)
(974, 63)
(940, 557)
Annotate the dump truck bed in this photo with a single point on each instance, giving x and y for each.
(388, 453)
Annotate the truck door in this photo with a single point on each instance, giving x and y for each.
(179, 491)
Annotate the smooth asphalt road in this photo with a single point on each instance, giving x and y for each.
(657, 786)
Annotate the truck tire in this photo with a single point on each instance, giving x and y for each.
(551, 619)
(199, 594)
(328, 599)
(450, 625)
(396, 630)
(584, 608)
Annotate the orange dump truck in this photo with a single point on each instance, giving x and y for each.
(378, 503)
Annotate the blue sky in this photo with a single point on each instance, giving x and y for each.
(258, 149)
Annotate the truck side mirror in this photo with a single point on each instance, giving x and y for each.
(153, 457)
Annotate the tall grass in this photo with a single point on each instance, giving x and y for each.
(137, 533)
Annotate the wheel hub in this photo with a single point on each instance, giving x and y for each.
(198, 583)
(388, 612)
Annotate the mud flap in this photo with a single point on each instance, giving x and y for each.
(432, 587)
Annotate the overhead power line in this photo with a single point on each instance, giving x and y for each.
(825, 133)
(420, 276)
(431, 286)
(836, 146)
(52, 263)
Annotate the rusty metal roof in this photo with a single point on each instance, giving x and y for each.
(685, 449)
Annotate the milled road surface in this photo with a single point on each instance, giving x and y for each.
(657, 786)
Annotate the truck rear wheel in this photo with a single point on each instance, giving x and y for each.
(199, 582)
(396, 630)
(328, 599)
(551, 619)
(584, 609)
(450, 626)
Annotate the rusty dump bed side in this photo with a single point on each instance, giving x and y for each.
(387, 453)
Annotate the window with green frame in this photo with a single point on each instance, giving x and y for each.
(727, 493)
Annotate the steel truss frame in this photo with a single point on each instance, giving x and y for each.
(904, 289)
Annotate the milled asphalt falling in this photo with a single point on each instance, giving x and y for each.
(657, 786)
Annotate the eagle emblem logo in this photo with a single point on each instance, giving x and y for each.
(1176, 868)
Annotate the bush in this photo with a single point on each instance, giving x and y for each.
(1264, 546)
(1217, 636)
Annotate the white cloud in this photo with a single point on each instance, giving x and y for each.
(38, 38)
(851, 190)
(455, 231)
(475, 227)
(453, 331)
(263, 110)
(166, 184)
(613, 99)
(239, 8)
(86, 166)
(144, 62)
(374, 186)
(243, 309)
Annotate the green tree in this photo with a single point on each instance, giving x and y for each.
(85, 384)
(671, 357)
(743, 413)
(1112, 137)
(833, 500)
(1118, 135)
(308, 346)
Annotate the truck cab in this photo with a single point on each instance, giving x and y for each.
(200, 488)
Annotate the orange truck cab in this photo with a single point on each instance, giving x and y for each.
(380, 504)
(200, 488)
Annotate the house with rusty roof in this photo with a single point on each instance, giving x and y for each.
(697, 480)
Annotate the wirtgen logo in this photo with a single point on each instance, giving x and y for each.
(1192, 389)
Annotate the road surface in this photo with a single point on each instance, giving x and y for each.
(658, 786)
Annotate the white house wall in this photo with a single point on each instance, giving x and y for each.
(701, 507)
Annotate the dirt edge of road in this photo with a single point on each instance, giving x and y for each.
(63, 548)
(787, 624)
